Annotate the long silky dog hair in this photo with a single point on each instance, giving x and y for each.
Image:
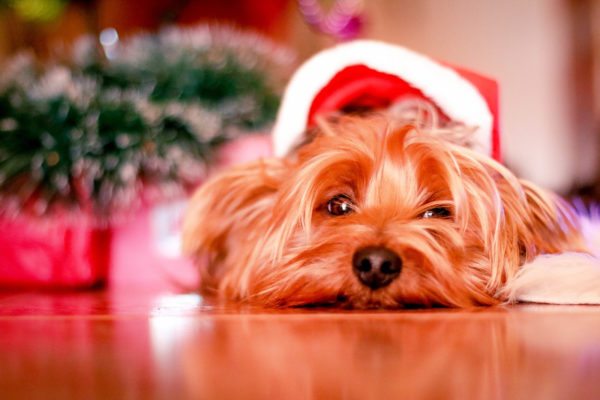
(371, 213)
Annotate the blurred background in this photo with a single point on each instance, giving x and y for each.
(544, 53)
(158, 104)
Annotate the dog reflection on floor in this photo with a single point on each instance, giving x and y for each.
(491, 355)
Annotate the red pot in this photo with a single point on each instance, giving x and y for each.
(53, 253)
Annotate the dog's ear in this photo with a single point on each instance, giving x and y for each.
(554, 226)
(227, 211)
(530, 222)
(536, 222)
(518, 220)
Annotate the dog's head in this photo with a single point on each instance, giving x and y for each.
(370, 215)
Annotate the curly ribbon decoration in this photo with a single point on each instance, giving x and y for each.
(344, 21)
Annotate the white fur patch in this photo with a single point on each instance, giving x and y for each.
(567, 278)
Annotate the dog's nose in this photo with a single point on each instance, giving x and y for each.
(376, 267)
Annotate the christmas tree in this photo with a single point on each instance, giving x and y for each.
(117, 123)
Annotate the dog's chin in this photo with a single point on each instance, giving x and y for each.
(371, 301)
(375, 302)
(355, 296)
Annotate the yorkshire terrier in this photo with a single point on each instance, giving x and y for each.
(369, 213)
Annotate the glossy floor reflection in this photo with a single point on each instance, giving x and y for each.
(124, 345)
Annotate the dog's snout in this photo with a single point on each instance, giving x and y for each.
(376, 267)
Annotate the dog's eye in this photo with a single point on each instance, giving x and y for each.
(339, 205)
(437, 212)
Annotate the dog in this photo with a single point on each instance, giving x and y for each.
(371, 213)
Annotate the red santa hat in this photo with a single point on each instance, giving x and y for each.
(374, 74)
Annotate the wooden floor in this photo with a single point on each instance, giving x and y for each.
(145, 345)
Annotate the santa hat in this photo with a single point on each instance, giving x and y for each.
(376, 74)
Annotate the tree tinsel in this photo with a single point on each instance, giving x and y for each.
(109, 127)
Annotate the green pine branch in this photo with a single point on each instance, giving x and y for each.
(96, 133)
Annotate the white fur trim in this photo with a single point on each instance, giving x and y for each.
(567, 278)
(456, 96)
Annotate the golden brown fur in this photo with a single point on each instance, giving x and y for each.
(261, 232)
